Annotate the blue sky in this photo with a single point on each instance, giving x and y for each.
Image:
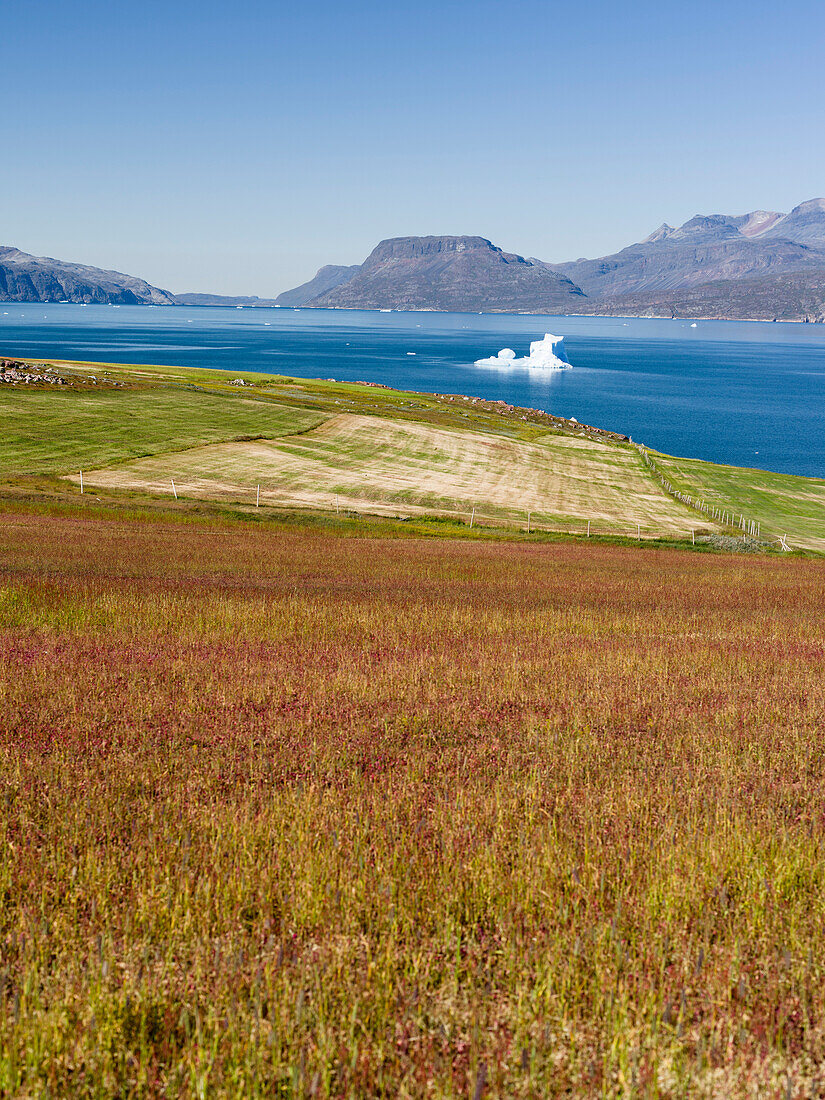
(236, 147)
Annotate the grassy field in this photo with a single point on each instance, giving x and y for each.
(382, 464)
(316, 816)
(780, 502)
(324, 445)
(55, 430)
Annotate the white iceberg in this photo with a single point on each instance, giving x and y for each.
(548, 354)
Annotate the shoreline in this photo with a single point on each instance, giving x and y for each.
(460, 312)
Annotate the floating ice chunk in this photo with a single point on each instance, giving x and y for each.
(549, 353)
(693, 325)
(545, 355)
(505, 358)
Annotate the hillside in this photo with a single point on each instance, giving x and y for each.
(25, 278)
(310, 701)
(324, 280)
(449, 273)
(329, 448)
(798, 296)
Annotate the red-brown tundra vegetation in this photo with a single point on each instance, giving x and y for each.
(288, 814)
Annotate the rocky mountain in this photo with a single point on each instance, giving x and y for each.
(708, 248)
(25, 278)
(326, 279)
(799, 296)
(805, 224)
(450, 273)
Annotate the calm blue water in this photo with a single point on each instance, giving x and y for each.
(748, 394)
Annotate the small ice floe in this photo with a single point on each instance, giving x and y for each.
(693, 325)
(410, 353)
(548, 354)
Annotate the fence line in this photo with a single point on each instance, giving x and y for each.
(722, 515)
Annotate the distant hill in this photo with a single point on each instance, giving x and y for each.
(708, 248)
(326, 279)
(190, 298)
(25, 278)
(450, 273)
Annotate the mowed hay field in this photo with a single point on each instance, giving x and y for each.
(313, 816)
(377, 463)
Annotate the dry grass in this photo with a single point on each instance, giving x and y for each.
(368, 462)
(313, 816)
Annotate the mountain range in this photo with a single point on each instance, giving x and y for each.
(762, 265)
(708, 248)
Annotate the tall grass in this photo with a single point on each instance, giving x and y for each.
(292, 815)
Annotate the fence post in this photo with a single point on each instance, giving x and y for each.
(174, 490)
(588, 528)
(258, 498)
(528, 523)
(81, 481)
(472, 517)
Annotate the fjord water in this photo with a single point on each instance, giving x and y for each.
(741, 393)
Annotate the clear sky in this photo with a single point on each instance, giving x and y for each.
(236, 146)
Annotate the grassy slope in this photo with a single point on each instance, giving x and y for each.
(783, 504)
(289, 816)
(165, 409)
(55, 430)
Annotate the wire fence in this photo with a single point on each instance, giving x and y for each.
(716, 512)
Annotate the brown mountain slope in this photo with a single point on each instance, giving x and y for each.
(799, 296)
(451, 273)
